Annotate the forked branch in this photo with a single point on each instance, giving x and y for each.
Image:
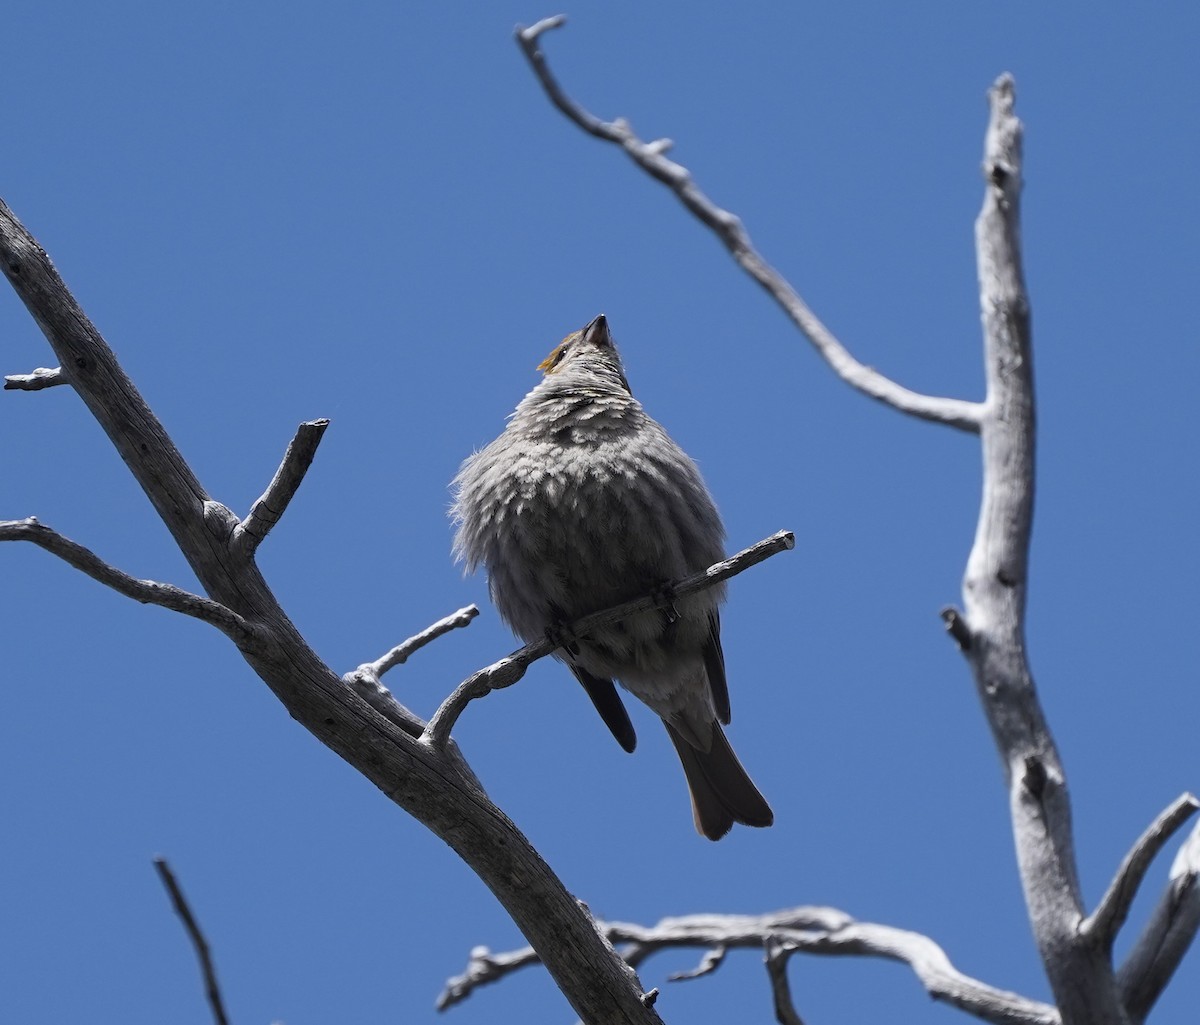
(1167, 936)
(810, 930)
(1105, 922)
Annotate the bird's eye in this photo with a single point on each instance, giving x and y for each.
(552, 361)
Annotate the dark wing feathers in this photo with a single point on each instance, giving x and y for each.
(714, 663)
(608, 703)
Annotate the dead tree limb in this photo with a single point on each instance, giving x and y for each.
(812, 930)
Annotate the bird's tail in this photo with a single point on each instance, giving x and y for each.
(722, 792)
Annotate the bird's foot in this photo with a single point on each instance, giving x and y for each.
(559, 634)
(664, 597)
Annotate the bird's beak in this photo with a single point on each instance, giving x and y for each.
(596, 333)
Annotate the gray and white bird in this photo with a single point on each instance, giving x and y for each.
(582, 503)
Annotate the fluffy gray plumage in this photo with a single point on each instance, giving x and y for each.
(584, 502)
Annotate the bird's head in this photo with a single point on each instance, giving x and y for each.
(587, 352)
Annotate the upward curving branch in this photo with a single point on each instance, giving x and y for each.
(273, 503)
(991, 632)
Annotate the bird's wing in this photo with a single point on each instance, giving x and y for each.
(608, 703)
(714, 663)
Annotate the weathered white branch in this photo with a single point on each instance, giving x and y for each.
(268, 510)
(1105, 922)
(991, 629)
(482, 968)
(148, 592)
(208, 970)
(810, 930)
(1167, 936)
(426, 783)
(650, 157)
(42, 377)
(509, 670)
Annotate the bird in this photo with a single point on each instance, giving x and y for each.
(584, 502)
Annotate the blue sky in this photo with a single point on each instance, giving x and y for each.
(277, 212)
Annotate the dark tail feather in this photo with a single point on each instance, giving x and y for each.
(722, 793)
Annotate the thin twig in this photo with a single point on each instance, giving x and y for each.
(207, 969)
(148, 592)
(366, 682)
(1167, 936)
(483, 967)
(1105, 922)
(776, 957)
(402, 651)
(509, 670)
(268, 510)
(809, 930)
(41, 378)
(709, 963)
(650, 157)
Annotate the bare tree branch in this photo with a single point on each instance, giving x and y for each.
(777, 955)
(401, 652)
(728, 228)
(599, 985)
(991, 630)
(810, 930)
(482, 968)
(367, 683)
(1105, 922)
(268, 510)
(366, 678)
(207, 968)
(709, 963)
(1167, 936)
(148, 592)
(42, 377)
(509, 670)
